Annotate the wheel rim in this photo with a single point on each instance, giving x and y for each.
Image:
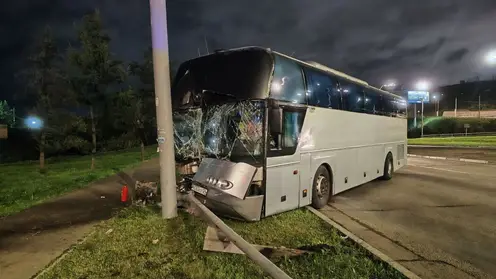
(390, 167)
(322, 186)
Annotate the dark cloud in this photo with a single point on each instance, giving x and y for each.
(456, 55)
(373, 39)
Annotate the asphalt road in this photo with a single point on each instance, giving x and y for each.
(444, 212)
(467, 153)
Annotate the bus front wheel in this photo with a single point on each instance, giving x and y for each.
(321, 189)
(388, 167)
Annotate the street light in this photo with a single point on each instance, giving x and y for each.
(33, 122)
(422, 85)
(388, 84)
(490, 60)
(436, 103)
(491, 57)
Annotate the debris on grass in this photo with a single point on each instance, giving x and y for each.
(130, 252)
(146, 193)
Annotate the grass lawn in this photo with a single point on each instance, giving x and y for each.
(128, 250)
(456, 141)
(22, 185)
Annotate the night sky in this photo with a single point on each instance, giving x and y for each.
(443, 41)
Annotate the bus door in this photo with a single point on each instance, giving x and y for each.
(283, 159)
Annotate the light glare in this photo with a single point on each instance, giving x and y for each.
(33, 122)
(491, 57)
(422, 85)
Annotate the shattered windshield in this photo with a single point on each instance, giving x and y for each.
(227, 131)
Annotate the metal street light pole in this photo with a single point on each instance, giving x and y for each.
(436, 104)
(437, 112)
(415, 115)
(163, 105)
(479, 107)
(422, 116)
(456, 104)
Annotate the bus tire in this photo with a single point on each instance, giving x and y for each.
(388, 167)
(321, 188)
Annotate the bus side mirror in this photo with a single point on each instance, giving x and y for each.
(275, 120)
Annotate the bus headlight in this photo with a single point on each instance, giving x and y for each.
(219, 183)
(224, 184)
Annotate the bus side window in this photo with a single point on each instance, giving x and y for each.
(352, 96)
(388, 105)
(287, 82)
(401, 107)
(286, 143)
(372, 103)
(322, 90)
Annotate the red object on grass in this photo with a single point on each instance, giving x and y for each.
(124, 193)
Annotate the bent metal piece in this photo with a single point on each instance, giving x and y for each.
(215, 241)
(269, 267)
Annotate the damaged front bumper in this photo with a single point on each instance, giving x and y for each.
(223, 187)
(248, 209)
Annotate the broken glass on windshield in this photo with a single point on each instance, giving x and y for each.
(227, 131)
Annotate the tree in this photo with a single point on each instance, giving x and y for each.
(146, 93)
(93, 70)
(144, 71)
(6, 114)
(132, 113)
(51, 100)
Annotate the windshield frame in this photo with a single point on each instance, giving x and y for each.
(229, 81)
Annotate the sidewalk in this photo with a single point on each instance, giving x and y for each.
(33, 238)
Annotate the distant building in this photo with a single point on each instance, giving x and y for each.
(467, 94)
(470, 113)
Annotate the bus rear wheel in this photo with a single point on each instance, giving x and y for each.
(388, 167)
(321, 189)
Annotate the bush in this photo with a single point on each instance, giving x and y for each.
(444, 125)
(119, 143)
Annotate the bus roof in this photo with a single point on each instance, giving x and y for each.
(310, 64)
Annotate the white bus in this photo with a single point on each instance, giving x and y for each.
(266, 133)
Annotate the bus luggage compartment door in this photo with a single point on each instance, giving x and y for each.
(282, 185)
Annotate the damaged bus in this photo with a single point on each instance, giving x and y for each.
(257, 132)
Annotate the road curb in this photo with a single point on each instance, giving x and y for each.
(450, 159)
(396, 265)
(451, 147)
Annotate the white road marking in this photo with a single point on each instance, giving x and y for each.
(474, 161)
(450, 159)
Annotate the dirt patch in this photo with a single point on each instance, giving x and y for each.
(31, 239)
